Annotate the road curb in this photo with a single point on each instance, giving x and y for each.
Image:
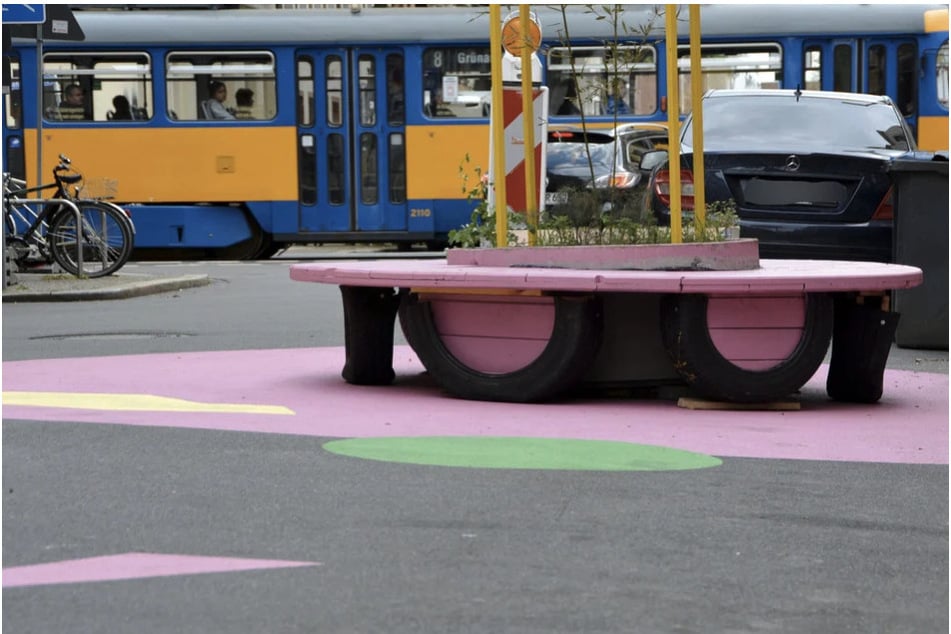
(121, 291)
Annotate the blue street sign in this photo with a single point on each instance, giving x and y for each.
(24, 14)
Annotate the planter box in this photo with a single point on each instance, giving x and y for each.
(730, 255)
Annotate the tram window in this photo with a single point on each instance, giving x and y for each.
(107, 86)
(336, 168)
(191, 75)
(907, 93)
(369, 181)
(305, 92)
(812, 68)
(842, 68)
(736, 66)
(307, 176)
(395, 91)
(397, 162)
(457, 82)
(876, 70)
(367, 66)
(12, 98)
(595, 69)
(941, 74)
(334, 73)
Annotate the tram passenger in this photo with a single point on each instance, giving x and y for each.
(73, 105)
(214, 108)
(244, 98)
(437, 107)
(122, 111)
(616, 103)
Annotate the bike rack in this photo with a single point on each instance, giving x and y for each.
(57, 201)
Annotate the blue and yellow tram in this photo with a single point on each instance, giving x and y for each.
(237, 132)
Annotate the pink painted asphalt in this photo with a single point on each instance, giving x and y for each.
(909, 424)
(134, 566)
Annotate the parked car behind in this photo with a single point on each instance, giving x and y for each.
(615, 161)
(806, 170)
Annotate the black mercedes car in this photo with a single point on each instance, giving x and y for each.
(807, 170)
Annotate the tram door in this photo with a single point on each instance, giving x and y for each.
(831, 65)
(877, 66)
(891, 68)
(351, 140)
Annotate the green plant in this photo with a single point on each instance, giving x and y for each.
(480, 230)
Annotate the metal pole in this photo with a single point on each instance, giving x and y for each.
(528, 127)
(673, 123)
(498, 127)
(696, 109)
(39, 105)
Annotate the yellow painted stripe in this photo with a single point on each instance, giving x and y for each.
(936, 20)
(933, 133)
(445, 162)
(176, 165)
(134, 403)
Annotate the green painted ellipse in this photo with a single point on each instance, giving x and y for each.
(493, 452)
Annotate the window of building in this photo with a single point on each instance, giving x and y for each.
(732, 66)
(457, 82)
(221, 85)
(97, 87)
(599, 80)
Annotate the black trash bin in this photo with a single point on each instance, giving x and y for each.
(920, 239)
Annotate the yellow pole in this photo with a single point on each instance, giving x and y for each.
(696, 85)
(673, 123)
(498, 128)
(528, 126)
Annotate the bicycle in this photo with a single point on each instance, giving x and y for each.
(85, 237)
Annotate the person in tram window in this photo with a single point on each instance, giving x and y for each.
(214, 108)
(73, 105)
(122, 110)
(616, 103)
(244, 98)
(437, 107)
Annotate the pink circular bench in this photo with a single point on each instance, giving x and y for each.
(529, 324)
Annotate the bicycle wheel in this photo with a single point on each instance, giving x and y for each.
(105, 239)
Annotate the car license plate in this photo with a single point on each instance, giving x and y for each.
(556, 198)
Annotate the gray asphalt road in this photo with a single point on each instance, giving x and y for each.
(753, 545)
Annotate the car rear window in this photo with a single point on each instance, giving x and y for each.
(575, 154)
(762, 122)
(568, 147)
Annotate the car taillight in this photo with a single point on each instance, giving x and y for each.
(662, 188)
(618, 180)
(886, 208)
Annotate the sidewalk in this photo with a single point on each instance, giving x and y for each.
(42, 285)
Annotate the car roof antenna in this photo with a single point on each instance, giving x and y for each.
(798, 92)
